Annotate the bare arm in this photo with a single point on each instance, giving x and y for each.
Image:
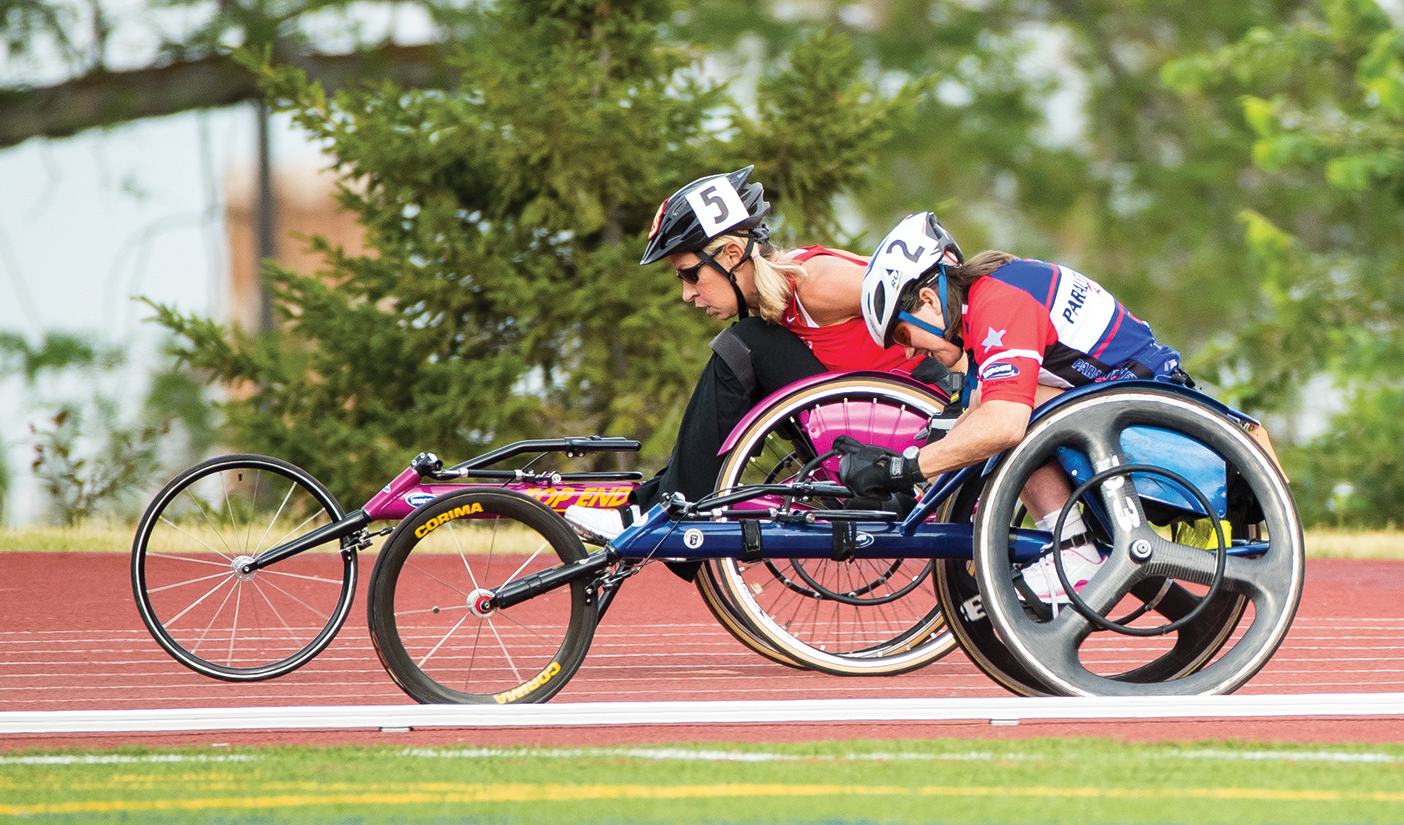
(988, 429)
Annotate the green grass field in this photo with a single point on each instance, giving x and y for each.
(1039, 781)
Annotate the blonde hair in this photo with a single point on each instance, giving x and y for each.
(775, 279)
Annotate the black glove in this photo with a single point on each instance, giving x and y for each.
(869, 470)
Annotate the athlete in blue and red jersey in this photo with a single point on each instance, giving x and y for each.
(1030, 330)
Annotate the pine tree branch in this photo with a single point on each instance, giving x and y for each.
(108, 98)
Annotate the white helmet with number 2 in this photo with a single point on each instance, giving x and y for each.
(914, 251)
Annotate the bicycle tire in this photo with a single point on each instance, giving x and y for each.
(815, 619)
(460, 544)
(207, 614)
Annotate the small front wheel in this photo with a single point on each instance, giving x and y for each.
(188, 579)
(430, 580)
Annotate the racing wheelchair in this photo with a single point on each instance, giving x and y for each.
(486, 595)
(244, 567)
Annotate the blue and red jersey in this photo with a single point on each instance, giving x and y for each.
(1031, 322)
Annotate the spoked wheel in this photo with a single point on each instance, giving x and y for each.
(1193, 645)
(864, 617)
(1085, 648)
(187, 560)
(426, 584)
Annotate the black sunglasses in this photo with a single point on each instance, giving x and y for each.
(692, 273)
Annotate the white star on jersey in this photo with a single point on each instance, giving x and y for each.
(993, 339)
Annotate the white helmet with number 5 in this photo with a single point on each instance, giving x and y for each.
(914, 252)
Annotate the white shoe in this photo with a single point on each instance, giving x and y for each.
(1081, 563)
(596, 526)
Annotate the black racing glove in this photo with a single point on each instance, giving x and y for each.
(869, 470)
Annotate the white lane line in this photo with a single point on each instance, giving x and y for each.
(1007, 709)
(120, 759)
(690, 755)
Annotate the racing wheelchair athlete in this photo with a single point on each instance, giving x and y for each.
(1074, 391)
(749, 420)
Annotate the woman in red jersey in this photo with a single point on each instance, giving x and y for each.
(798, 314)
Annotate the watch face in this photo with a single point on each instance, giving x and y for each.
(911, 452)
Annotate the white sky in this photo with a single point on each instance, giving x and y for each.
(88, 222)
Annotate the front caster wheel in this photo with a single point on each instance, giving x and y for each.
(427, 611)
(1135, 517)
(188, 576)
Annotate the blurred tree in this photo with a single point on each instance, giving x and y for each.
(503, 298)
(1324, 96)
(77, 64)
(1052, 135)
(85, 458)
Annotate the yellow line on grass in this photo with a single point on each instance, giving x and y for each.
(467, 793)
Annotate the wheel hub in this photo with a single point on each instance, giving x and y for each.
(243, 568)
(480, 603)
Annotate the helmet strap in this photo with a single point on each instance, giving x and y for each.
(903, 315)
(941, 293)
(742, 311)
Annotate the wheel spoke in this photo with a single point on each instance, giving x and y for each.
(503, 615)
(1197, 565)
(272, 571)
(200, 505)
(505, 653)
(172, 557)
(253, 507)
(276, 613)
(173, 525)
(318, 612)
(234, 628)
(215, 617)
(435, 648)
(177, 617)
(228, 506)
(188, 582)
(453, 534)
(277, 515)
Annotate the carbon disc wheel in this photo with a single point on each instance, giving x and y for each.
(1260, 581)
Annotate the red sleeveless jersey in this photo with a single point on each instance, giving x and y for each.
(846, 345)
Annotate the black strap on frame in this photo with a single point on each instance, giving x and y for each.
(751, 542)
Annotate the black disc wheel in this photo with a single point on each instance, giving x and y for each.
(869, 617)
(427, 585)
(1154, 619)
(1192, 646)
(188, 560)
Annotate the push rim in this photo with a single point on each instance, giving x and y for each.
(879, 637)
(1270, 582)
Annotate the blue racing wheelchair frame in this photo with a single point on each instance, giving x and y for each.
(1192, 514)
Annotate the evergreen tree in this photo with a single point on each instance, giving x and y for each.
(503, 298)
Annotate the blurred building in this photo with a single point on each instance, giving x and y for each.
(305, 206)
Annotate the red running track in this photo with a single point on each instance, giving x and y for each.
(70, 639)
